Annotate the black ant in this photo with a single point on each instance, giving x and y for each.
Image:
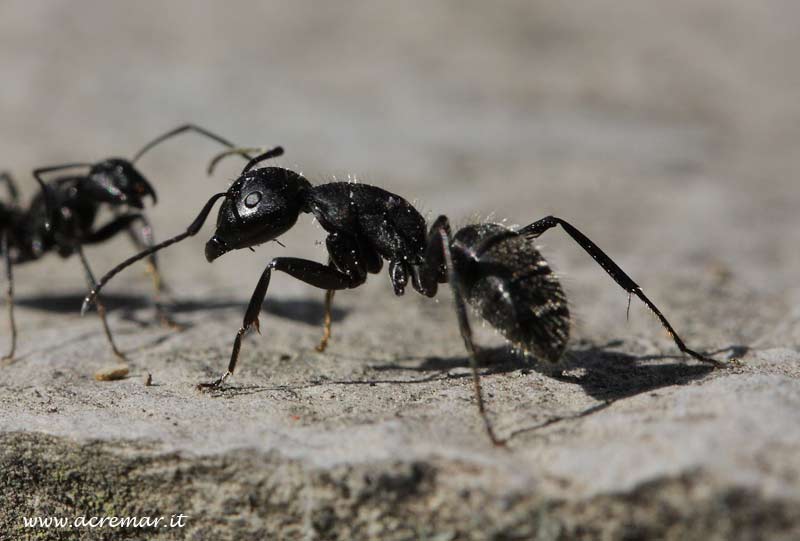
(497, 270)
(61, 218)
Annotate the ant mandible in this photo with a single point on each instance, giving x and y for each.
(62, 214)
(496, 270)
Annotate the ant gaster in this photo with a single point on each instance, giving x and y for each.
(496, 270)
(62, 214)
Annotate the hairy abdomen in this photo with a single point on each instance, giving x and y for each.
(513, 288)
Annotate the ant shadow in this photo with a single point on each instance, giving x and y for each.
(603, 374)
(610, 376)
(70, 303)
(323, 381)
(310, 312)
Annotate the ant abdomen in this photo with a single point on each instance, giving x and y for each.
(504, 277)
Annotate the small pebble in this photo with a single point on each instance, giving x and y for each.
(112, 373)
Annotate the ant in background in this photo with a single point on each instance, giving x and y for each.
(496, 270)
(61, 218)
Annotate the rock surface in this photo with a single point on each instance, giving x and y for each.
(667, 134)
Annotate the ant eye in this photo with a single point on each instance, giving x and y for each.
(252, 199)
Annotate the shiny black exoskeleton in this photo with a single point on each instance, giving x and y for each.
(495, 269)
(61, 217)
(365, 224)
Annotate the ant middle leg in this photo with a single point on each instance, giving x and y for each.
(142, 239)
(9, 296)
(101, 310)
(354, 258)
(327, 321)
(438, 258)
(310, 272)
(535, 229)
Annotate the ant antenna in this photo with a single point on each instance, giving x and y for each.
(195, 226)
(52, 168)
(266, 153)
(274, 153)
(182, 129)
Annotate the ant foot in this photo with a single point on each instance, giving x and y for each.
(499, 443)
(733, 362)
(216, 384)
(168, 323)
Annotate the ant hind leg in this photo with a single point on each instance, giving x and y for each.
(538, 227)
(438, 253)
(143, 239)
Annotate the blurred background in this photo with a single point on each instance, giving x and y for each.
(667, 132)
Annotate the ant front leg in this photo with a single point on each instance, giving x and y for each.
(438, 260)
(101, 310)
(310, 272)
(142, 239)
(535, 229)
(112, 228)
(9, 295)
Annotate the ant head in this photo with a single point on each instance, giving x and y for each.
(260, 206)
(117, 181)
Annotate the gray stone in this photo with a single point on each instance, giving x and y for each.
(666, 134)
